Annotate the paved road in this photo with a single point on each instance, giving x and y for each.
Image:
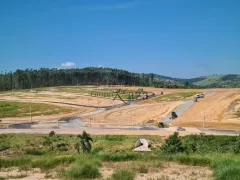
(120, 131)
(181, 108)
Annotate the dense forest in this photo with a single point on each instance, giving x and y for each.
(44, 77)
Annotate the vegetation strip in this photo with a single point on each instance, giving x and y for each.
(74, 157)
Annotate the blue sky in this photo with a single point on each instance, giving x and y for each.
(179, 38)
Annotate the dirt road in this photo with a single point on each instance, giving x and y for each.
(137, 114)
(210, 112)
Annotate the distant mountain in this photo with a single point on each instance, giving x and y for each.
(218, 81)
(229, 80)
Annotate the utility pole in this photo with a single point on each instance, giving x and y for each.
(98, 103)
(89, 113)
(204, 119)
(1, 117)
(30, 108)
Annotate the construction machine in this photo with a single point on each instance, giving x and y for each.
(161, 125)
(173, 115)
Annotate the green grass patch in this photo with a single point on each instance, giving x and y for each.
(22, 109)
(227, 169)
(118, 156)
(51, 162)
(17, 162)
(83, 171)
(194, 160)
(34, 152)
(123, 174)
(176, 96)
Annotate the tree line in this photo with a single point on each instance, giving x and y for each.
(44, 77)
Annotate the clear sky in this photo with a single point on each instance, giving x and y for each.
(179, 38)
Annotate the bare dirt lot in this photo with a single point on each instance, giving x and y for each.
(137, 114)
(220, 110)
(215, 110)
(168, 170)
(163, 171)
(60, 97)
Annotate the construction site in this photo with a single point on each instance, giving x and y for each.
(124, 108)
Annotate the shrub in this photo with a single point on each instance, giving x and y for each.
(189, 146)
(142, 169)
(97, 150)
(62, 147)
(236, 146)
(3, 147)
(172, 145)
(83, 171)
(123, 174)
(34, 152)
(52, 133)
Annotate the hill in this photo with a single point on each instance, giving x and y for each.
(44, 77)
(230, 80)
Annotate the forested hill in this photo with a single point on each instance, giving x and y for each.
(44, 77)
(25, 79)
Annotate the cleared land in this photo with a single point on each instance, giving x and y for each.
(137, 114)
(221, 109)
(48, 96)
(13, 112)
(169, 97)
(215, 110)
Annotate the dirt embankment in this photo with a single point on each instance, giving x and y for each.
(75, 111)
(137, 114)
(212, 112)
(159, 90)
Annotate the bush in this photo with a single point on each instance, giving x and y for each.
(123, 174)
(236, 147)
(34, 152)
(52, 133)
(3, 147)
(97, 150)
(142, 169)
(62, 147)
(83, 171)
(172, 145)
